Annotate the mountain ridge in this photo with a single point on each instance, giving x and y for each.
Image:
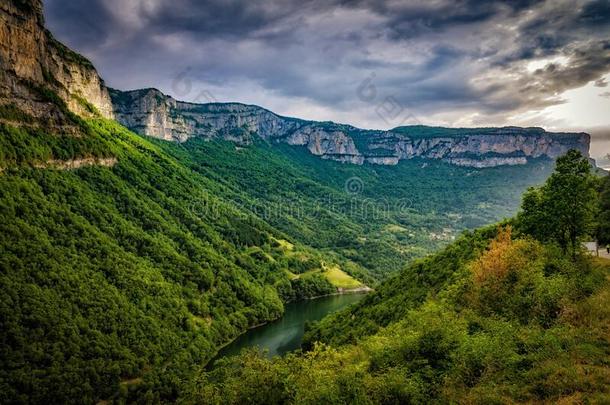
(32, 58)
(150, 112)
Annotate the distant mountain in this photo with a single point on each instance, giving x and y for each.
(150, 112)
(604, 162)
(128, 260)
(32, 58)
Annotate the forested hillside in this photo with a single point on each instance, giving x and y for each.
(126, 262)
(111, 271)
(376, 216)
(506, 314)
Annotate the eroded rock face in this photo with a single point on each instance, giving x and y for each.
(518, 145)
(31, 58)
(320, 141)
(150, 112)
(73, 164)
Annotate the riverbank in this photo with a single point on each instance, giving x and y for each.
(285, 334)
(344, 291)
(210, 362)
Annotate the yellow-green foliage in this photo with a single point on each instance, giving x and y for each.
(545, 339)
(518, 278)
(339, 278)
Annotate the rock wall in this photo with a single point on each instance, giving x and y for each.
(30, 57)
(150, 112)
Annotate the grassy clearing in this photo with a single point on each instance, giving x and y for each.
(340, 279)
(284, 244)
(333, 274)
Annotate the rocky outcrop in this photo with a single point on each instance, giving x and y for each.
(34, 67)
(73, 164)
(483, 162)
(322, 142)
(31, 60)
(150, 112)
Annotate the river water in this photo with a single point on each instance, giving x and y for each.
(286, 333)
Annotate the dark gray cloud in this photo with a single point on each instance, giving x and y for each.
(443, 60)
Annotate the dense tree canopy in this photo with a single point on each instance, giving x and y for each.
(564, 209)
(603, 220)
(496, 317)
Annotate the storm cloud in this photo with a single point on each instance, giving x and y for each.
(439, 62)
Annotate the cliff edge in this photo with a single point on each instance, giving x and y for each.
(32, 62)
(152, 113)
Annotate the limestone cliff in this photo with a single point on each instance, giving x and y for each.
(32, 63)
(34, 68)
(150, 112)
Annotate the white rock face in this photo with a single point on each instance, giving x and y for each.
(30, 56)
(488, 162)
(322, 142)
(149, 112)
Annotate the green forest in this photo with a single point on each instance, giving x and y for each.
(129, 263)
(120, 281)
(394, 215)
(117, 274)
(508, 313)
(123, 275)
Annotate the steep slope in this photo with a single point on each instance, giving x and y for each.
(112, 269)
(106, 275)
(112, 274)
(150, 112)
(377, 216)
(30, 57)
(492, 319)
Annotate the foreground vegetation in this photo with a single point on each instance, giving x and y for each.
(114, 274)
(500, 316)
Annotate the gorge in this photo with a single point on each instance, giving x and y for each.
(143, 238)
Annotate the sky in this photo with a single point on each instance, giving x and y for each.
(372, 64)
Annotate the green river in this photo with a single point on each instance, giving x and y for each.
(286, 334)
